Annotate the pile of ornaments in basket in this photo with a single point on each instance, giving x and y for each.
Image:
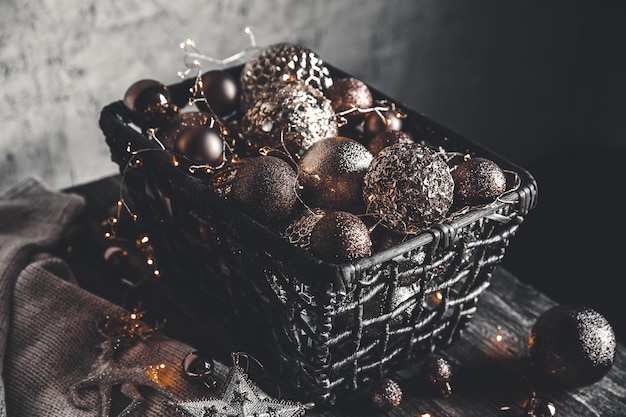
(313, 157)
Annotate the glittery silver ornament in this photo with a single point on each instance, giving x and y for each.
(478, 181)
(293, 114)
(387, 394)
(282, 62)
(408, 187)
(572, 345)
(298, 232)
(331, 174)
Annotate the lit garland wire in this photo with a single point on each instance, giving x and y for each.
(193, 62)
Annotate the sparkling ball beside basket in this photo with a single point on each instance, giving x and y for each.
(572, 345)
(408, 187)
(331, 174)
(282, 62)
(265, 188)
(293, 114)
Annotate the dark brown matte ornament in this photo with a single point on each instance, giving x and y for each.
(408, 187)
(331, 174)
(349, 94)
(339, 237)
(151, 103)
(478, 181)
(387, 394)
(221, 91)
(387, 137)
(572, 345)
(201, 144)
(282, 62)
(391, 120)
(265, 188)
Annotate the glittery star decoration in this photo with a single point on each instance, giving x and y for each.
(106, 373)
(239, 397)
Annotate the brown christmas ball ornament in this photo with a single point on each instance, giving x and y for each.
(387, 137)
(437, 373)
(351, 98)
(478, 181)
(282, 62)
(340, 236)
(289, 115)
(572, 345)
(408, 187)
(221, 91)
(386, 394)
(265, 188)
(331, 174)
(151, 103)
(390, 119)
(182, 121)
(201, 144)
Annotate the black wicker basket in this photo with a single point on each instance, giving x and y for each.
(334, 339)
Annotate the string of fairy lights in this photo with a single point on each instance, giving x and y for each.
(192, 60)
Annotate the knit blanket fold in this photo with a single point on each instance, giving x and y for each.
(52, 354)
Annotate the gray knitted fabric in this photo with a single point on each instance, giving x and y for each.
(48, 335)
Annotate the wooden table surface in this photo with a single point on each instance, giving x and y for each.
(488, 375)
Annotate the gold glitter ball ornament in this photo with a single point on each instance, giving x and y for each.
(294, 114)
(282, 62)
(408, 187)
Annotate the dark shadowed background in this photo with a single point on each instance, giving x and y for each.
(542, 83)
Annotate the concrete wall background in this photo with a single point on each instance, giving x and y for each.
(523, 78)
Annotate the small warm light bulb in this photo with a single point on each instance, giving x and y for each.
(157, 273)
(108, 235)
(162, 366)
(439, 295)
(145, 239)
(150, 261)
(499, 338)
(133, 316)
(425, 415)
